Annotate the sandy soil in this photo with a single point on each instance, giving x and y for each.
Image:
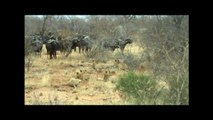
(56, 82)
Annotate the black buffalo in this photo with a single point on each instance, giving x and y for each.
(82, 42)
(123, 42)
(64, 44)
(85, 44)
(72, 44)
(111, 45)
(117, 43)
(52, 46)
(36, 43)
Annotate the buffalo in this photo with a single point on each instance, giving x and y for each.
(85, 44)
(111, 45)
(82, 42)
(37, 47)
(123, 42)
(52, 46)
(36, 44)
(117, 43)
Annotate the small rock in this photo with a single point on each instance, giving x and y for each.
(71, 65)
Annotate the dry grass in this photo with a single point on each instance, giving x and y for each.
(48, 80)
(54, 81)
(132, 48)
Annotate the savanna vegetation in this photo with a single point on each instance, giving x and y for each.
(153, 68)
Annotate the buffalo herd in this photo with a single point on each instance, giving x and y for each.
(83, 42)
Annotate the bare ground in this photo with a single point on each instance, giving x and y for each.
(55, 82)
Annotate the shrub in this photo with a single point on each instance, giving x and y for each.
(131, 60)
(27, 46)
(167, 40)
(139, 88)
(179, 92)
(98, 53)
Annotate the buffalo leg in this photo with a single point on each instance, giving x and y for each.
(69, 51)
(79, 49)
(122, 50)
(55, 54)
(50, 55)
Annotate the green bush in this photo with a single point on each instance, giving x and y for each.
(139, 88)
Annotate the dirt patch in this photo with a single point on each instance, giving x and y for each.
(75, 80)
(49, 82)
